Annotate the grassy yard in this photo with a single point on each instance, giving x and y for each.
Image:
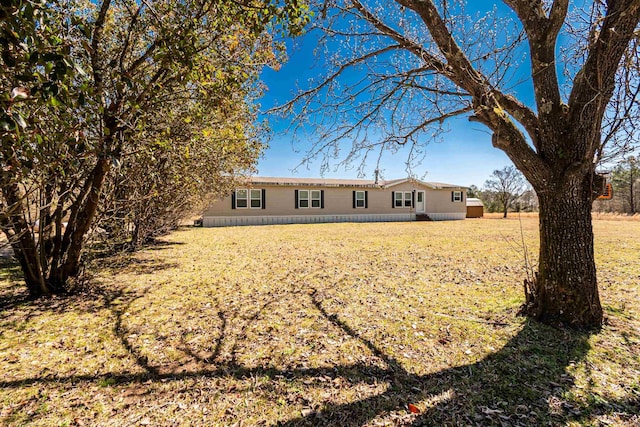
(329, 324)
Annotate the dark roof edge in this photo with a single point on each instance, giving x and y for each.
(314, 184)
(336, 183)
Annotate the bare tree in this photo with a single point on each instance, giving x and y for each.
(507, 183)
(401, 69)
(528, 201)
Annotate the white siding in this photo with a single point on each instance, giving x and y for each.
(279, 205)
(446, 216)
(222, 221)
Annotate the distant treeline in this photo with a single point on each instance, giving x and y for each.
(624, 178)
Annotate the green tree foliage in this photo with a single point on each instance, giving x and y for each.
(625, 178)
(625, 181)
(191, 153)
(38, 130)
(109, 84)
(473, 191)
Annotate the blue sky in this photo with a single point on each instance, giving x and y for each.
(465, 156)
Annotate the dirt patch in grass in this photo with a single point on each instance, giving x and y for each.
(326, 324)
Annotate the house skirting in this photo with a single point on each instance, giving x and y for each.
(224, 221)
(447, 216)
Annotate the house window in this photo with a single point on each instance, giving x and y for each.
(408, 199)
(315, 198)
(398, 199)
(256, 199)
(403, 199)
(242, 197)
(303, 198)
(309, 199)
(248, 199)
(456, 196)
(360, 199)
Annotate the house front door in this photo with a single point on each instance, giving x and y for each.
(420, 202)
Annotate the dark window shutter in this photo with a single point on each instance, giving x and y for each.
(452, 196)
(321, 199)
(264, 199)
(233, 200)
(462, 196)
(366, 199)
(393, 199)
(354, 199)
(413, 198)
(297, 204)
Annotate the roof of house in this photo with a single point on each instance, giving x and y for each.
(474, 202)
(367, 183)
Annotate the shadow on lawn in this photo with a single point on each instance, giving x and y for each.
(16, 294)
(527, 382)
(521, 384)
(106, 258)
(524, 383)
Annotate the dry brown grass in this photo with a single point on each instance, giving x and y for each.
(612, 216)
(510, 215)
(606, 216)
(327, 324)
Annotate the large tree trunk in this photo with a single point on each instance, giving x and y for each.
(26, 252)
(79, 223)
(565, 290)
(20, 236)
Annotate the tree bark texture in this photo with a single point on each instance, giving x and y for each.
(19, 233)
(565, 290)
(46, 273)
(79, 223)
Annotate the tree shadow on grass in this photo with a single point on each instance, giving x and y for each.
(125, 261)
(527, 382)
(521, 384)
(87, 293)
(159, 244)
(85, 287)
(140, 267)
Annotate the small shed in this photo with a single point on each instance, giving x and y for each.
(475, 208)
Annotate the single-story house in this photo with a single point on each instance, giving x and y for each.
(475, 208)
(310, 200)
